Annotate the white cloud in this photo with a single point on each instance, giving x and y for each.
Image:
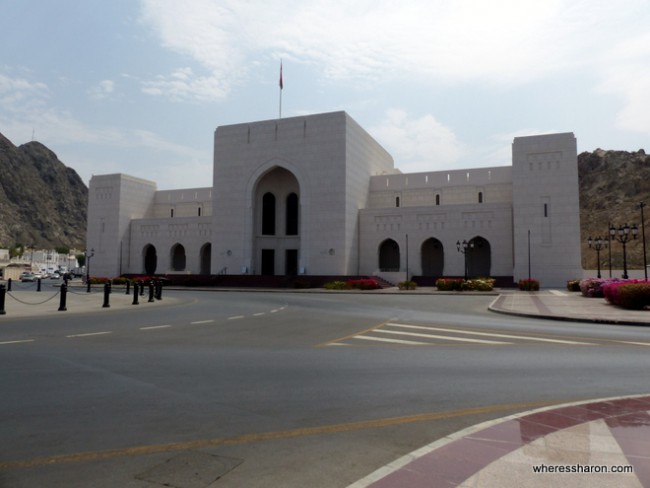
(501, 42)
(102, 90)
(625, 71)
(417, 144)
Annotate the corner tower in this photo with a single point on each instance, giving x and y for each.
(546, 209)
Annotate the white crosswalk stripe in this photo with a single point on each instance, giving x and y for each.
(492, 334)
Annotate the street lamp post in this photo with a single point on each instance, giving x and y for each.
(645, 261)
(597, 244)
(622, 235)
(464, 248)
(88, 256)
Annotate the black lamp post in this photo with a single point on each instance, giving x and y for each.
(88, 256)
(597, 244)
(464, 248)
(645, 261)
(622, 235)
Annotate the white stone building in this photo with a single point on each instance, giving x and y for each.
(317, 195)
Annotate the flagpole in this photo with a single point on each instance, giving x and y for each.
(281, 83)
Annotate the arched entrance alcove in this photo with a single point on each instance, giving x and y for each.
(433, 257)
(276, 223)
(150, 259)
(178, 258)
(389, 256)
(479, 258)
(205, 258)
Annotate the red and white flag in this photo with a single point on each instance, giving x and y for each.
(281, 82)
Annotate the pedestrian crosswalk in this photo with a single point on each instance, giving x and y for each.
(397, 333)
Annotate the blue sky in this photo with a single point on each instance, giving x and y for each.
(139, 87)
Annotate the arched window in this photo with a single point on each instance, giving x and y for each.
(480, 197)
(389, 256)
(438, 199)
(268, 214)
(178, 258)
(397, 201)
(292, 215)
(150, 259)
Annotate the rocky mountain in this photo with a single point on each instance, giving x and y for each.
(612, 184)
(43, 203)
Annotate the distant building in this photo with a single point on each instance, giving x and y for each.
(317, 195)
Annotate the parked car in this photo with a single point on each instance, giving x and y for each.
(27, 277)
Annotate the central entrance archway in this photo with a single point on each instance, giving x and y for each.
(277, 223)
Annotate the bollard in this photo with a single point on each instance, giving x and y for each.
(2, 300)
(141, 288)
(107, 292)
(88, 285)
(38, 285)
(62, 299)
(135, 293)
(151, 291)
(128, 287)
(9, 284)
(159, 290)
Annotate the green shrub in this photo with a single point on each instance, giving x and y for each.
(478, 284)
(336, 285)
(573, 285)
(407, 285)
(449, 284)
(529, 285)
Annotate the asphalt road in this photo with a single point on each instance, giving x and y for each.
(280, 389)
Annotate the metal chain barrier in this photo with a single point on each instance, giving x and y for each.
(37, 303)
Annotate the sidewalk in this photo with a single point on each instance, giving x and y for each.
(25, 301)
(601, 443)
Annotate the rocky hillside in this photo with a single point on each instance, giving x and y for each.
(42, 202)
(612, 184)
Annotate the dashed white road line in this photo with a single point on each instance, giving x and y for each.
(17, 342)
(258, 314)
(236, 317)
(155, 327)
(202, 322)
(89, 334)
(635, 343)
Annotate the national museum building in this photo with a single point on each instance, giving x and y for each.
(317, 195)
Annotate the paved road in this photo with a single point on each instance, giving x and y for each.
(275, 389)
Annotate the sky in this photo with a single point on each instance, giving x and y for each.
(139, 86)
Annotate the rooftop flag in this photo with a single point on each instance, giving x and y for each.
(281, 82)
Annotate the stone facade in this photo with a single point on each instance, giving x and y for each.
(317, 195)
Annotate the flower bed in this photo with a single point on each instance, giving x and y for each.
(628, 294)
(449, 284)
(459, 284)
(528, 285)
(363, 284)
(593, 287)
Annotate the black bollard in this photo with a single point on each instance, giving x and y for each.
(107, 292)
(141, 288)
(38, 285)
(62, 299)
(88, 285)
(135, 294)
(158, 290)
(2, 300)
(9, 284)
(128, 287)
(151, 291)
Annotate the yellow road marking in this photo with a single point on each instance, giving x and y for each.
(266, 436)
